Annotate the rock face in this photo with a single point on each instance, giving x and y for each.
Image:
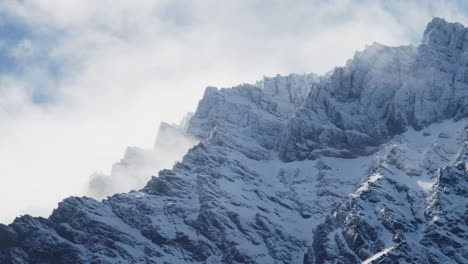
(404, 204)
(366, 164)
(381, 92)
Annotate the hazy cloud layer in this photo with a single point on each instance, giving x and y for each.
(81, 80)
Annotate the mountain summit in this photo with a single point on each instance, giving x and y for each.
(367, 164)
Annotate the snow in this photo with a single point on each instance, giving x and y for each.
(426, 186)
(365, 186)
(378, 255)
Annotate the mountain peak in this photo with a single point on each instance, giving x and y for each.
(441, 32)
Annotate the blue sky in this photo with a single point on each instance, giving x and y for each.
(22, 49)
(81, 79)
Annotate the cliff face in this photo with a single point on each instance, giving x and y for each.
(365, 164)
(382, 92)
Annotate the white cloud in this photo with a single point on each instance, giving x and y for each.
(124, 66)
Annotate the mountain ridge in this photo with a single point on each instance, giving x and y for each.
(359, 165)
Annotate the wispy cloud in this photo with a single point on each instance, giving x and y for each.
(81, 80)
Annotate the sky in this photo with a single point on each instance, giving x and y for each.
(80, 80)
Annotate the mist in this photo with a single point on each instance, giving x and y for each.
(138, 164)
(81, 81)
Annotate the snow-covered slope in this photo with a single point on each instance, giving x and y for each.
(366, 164)
(399, 201)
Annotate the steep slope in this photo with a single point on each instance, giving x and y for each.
(366, 164)
(382, 92)
(347, 114)
(220, 204)
(436, 89)
(399, 209)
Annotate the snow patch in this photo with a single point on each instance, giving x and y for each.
(378, 255)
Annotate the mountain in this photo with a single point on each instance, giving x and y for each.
(366, 164)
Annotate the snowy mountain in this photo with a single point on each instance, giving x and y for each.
(367, 164)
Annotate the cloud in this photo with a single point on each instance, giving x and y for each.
(132, 171)
(85, 78)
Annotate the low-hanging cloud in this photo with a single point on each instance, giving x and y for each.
(133, 170)
(86, 79)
